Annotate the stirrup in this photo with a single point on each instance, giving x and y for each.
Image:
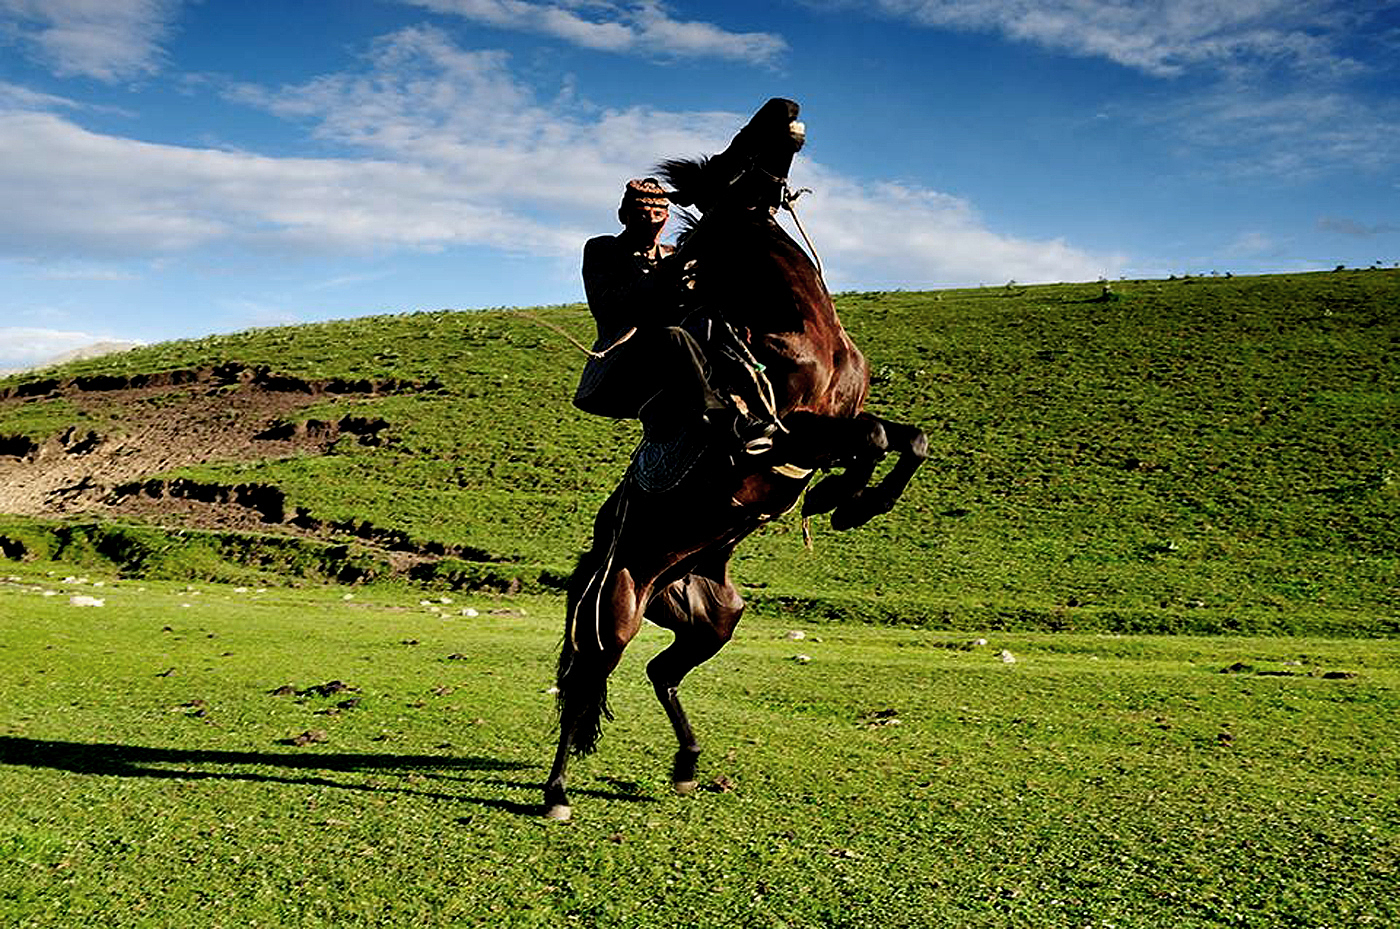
(755, 436)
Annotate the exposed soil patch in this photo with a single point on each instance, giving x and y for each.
(176, 419)
(229, 373)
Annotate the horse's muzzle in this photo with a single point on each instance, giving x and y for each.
(798, 131)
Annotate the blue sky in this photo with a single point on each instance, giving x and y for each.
(173, 169)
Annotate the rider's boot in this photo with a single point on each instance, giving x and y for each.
(752, 435)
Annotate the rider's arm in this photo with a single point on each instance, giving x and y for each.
(620, 293)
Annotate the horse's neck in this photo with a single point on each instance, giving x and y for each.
(760, 280)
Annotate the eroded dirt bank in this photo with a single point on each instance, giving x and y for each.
(141, 427)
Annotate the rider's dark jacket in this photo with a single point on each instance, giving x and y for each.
(626, 288)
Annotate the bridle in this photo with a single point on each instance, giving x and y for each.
(787, 198)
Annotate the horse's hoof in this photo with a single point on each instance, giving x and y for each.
(559, 812)
(685, 788)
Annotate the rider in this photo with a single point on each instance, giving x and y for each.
(643, 363)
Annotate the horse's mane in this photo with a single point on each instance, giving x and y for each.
(687, 177)
(687, 221)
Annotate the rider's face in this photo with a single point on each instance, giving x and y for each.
(649, 217)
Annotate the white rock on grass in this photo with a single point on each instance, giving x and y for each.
(84, 600)
(1007, 657)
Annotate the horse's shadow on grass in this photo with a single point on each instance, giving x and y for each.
(116, 760)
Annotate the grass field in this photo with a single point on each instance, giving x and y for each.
(157, 772)
(1201, 455)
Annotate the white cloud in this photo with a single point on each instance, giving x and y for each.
(445, 148)
(1252, 245)
(1160, 37)
(643, 28)
(1278, 102)
(83, 271)
(886, 234)
(462, 113)
(105, 39)
(74, 193)
(13, 96)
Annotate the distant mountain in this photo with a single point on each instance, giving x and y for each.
(95, 350)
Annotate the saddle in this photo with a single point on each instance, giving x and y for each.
(669, 451)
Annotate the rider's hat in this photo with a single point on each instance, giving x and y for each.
(645, 191)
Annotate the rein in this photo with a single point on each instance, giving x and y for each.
(787, 198)
(524, 314)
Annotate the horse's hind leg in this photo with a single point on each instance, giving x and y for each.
(603, 616)
(702, 612)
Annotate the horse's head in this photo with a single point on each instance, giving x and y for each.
(751, 172)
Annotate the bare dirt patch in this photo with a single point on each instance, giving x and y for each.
(154, 425)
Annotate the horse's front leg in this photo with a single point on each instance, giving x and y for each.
(702, 612)
(857, 444)
(911, 445)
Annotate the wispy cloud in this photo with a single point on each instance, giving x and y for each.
(1353, 228)
(74, 193)
(443, 148)
(1159, 37)
(461, 113)
(109, 40)
(644, 28)
(83, 271)
(13, 96)
(1294, 135)
(1274, 89)
(1252, 244)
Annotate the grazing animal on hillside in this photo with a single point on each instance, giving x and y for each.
(662, 550)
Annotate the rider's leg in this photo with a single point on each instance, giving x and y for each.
(679, 372)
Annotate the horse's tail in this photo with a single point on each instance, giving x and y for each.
(581, 682)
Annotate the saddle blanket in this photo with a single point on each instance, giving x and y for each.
(661, 463)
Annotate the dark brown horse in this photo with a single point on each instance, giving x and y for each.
(665, 555)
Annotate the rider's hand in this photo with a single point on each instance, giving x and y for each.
(687, 275)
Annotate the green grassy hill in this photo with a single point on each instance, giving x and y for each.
(1212, 454)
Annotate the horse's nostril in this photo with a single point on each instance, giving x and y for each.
(798, 130)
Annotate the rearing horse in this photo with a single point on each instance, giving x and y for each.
(664, 556)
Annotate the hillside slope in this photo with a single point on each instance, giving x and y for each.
(1207, 454)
